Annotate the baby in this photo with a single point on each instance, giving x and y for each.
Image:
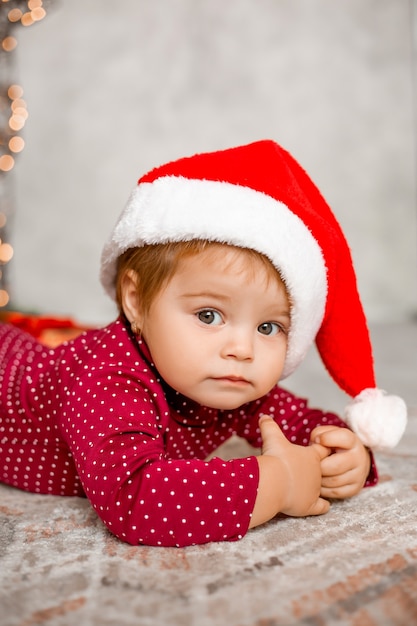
(225, 266)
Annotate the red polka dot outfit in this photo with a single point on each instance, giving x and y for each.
(91, 417)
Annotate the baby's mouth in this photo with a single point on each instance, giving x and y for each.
(233, 379)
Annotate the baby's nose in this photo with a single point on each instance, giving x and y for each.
(239, 345)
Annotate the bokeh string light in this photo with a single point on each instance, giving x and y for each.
(13, 116)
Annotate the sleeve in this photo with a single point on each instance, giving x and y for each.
(116, 435)
(296, 419)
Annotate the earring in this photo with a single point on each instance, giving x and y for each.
(135, 328)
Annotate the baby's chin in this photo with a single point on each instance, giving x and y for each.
(223, 399)
(229, 404)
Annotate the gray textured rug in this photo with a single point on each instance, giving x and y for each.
(356, 566)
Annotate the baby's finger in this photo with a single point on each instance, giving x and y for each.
(269, 427)
(339, 492)
(337, 464)
(318, 430)
(336, 438)
(320, 507)
(323, 451)
(271, 434)
(332, 482)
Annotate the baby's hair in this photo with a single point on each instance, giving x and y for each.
(155, 264)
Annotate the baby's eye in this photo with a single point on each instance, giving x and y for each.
(270, 328)
(208, 316)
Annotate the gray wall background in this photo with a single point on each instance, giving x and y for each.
(114, 88)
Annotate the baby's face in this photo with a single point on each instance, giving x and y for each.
(218, 332)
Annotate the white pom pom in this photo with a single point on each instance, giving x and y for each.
(378, 419)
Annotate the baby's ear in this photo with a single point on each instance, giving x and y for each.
(129, 297)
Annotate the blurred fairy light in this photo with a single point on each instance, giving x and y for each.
(13, 116)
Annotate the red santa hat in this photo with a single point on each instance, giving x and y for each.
(257, 196)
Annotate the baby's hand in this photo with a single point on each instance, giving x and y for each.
(345, 471)
(300, 480)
